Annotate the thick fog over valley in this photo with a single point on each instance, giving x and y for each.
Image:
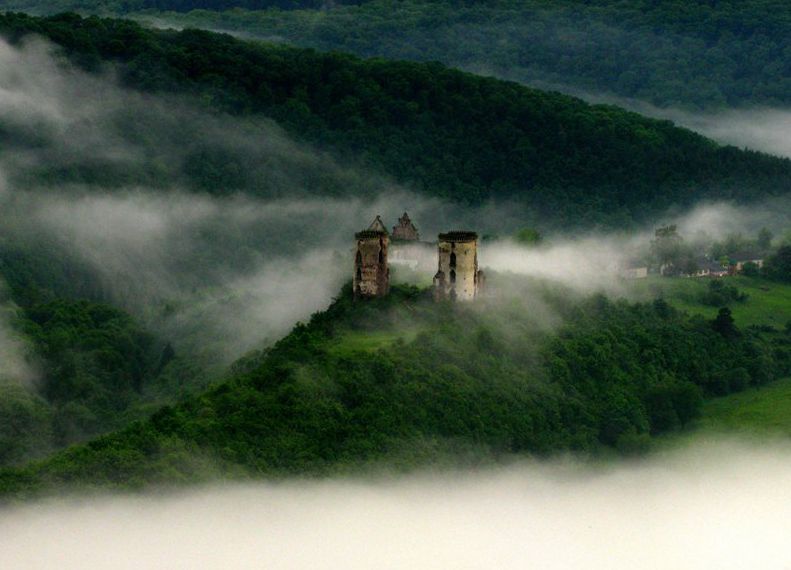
(716, 505)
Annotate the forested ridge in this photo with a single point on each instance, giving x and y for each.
(464, 387)
(444, 132)
(696, 53)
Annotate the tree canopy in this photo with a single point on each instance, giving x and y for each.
(444, 132)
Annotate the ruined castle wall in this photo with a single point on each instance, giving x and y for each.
(371, 273)
(457, 276)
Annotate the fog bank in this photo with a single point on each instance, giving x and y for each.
(713, 506)
(761, 128)
(14, 367)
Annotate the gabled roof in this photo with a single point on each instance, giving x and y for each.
(713, 266)
(747, 255)
(377, 225)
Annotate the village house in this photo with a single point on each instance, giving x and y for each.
(708, 268)
(739, 259)
(633, 271)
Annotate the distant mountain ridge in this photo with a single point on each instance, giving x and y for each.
(440, 131)
(691, 53)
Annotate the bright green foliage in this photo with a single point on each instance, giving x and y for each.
(763, 410)
(444, 132)
(768, 302)
(720, 293)
(612, 375)
(528, 236)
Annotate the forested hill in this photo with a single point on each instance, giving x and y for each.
(403, 381)
(443, 132)
(695, 53)
(127, 6)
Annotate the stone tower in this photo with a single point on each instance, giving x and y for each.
(371, 273)
(458, 277)
(405, 230)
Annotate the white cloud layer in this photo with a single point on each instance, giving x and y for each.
(723, 506)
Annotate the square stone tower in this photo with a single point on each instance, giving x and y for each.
(371, 272)
(458, 277)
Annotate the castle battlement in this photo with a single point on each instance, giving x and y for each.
(369, 234)
(458, 236)
(371, 270)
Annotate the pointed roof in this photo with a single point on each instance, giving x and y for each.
(377, 225)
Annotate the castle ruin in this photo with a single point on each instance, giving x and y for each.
(458, 277)
(405, 230)
(371, 272)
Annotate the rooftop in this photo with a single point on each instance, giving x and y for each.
(458, 235)
(368, 234)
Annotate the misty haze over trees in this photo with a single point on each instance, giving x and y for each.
(174, 202)
(445, 133)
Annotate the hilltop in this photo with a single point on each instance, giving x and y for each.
(443, 132)
(403, 381)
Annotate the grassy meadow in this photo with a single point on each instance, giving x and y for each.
(769, 302)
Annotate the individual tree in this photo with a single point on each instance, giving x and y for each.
(668, 250)
(724, 324)
(528, 236)
(750, 269)
(778, 266)
(764, 240)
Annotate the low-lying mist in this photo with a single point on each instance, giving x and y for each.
(719, 505)
(220, 233)
(15, 368)
(765, 129)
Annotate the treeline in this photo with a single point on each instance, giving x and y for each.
(696, 54)
(472, 385)
(447, 133)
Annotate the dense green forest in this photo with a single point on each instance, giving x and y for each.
(464, 383)
(693, 53)
(92, 367)
(444, 132)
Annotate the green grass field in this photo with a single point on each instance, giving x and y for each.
(765, 410)
(762, 412)
(769, 302)
(351, 342)
(759, 413)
